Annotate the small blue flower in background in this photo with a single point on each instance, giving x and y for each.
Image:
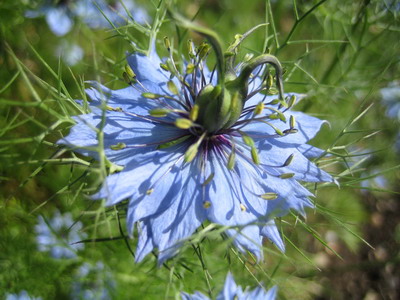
(391, 99)
(374, 181)
(60, 16)
(71, 54)
(59, 234)
(93, 281)
(87, 11)
(23, 295)
(186, 159)
(232, 291)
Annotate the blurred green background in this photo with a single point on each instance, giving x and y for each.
(340, 53)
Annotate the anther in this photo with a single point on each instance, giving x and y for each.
(118, 146)
(206, 204)
(269, 196)
(286, 175)
(167, 43)
(259, 108)
(159, 112)
(183, 123)
(172, 87)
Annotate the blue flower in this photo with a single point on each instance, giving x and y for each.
(60, 16)
(188, 157)
(93, 282)
(232, 291)
(391, 99)
(23, 295)
(71, 54)
(87, 11)
(59, 234)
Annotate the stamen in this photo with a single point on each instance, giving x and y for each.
(110, 108)
(286, 175)
(254, 155)
(159, 112)
(231, 159)
(167, 43)
(190, 68)
(183, 123)
(130, 72)
(172, 87)
(194, 112)
(209, 179)
(191, 152)
(292, 121)
(269, 196)
(173, 142)
(292, 101)
(207, 204)
(154, 96)
(118, 146)
(259, 108)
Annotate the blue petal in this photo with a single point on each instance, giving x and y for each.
(271, 232)
(129, 99)
(195, 296)
(169, 228)
(230, 289)
(226, 196)
(58, 20)
(149, 73)
(137, 134)
(307, 127)
(271, 294)
(167, 189)
(275, 153)
(138, 176)
(310, 151)
(260, 294)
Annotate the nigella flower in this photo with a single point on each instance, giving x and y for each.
(197, 145)
(391, 99)
(60, 14)
(23, 295)
(71, 54)
(116, 13)
(93, 281)
(59, 235)
(232, 291)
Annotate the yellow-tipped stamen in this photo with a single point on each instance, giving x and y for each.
(118, 146)
(194, 113)
(269, 196)
(183, 123)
